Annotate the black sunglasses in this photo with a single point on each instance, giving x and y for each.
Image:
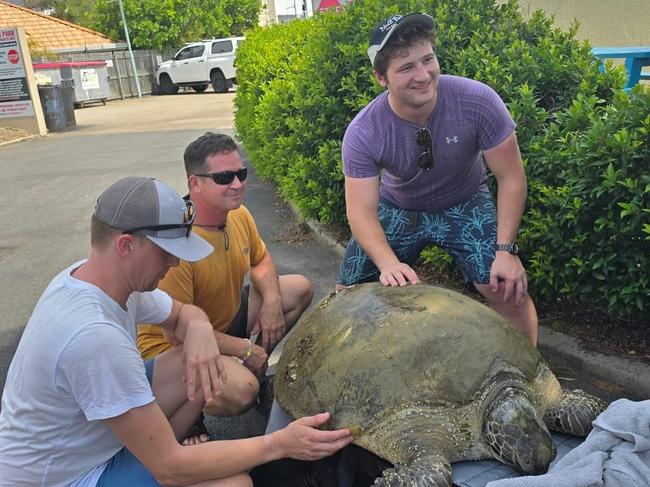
(226, 177)
(188, 220)
(424, 140)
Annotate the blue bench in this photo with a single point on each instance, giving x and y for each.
(635, 59)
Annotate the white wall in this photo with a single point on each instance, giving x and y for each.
(604, 23)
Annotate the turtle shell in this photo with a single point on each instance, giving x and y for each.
(370, 351)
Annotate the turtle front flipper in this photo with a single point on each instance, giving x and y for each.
(427, 471)
(573, 413)
(516, 434)
(417, 442)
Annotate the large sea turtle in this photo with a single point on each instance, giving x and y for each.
(424, 376)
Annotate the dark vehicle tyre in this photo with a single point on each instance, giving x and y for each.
(200, 88)
(166, 85)
(219, 83)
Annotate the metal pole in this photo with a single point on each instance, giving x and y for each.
(128, 43)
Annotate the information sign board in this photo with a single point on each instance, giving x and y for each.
(14, 92)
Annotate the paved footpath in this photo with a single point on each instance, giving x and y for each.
(48, 187)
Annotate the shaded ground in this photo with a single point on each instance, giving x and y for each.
(8, 133)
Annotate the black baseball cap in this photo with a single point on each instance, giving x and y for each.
(388, 26)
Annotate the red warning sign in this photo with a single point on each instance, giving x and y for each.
(13, 57)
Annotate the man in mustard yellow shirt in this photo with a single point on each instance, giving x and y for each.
(269, 307)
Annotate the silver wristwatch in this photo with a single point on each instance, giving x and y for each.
(511, 248)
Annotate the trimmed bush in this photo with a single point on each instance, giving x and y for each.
(301, 84)
(587, 228)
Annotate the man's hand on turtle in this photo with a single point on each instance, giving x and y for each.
(509, 269)
(302, 440)
(398, 274)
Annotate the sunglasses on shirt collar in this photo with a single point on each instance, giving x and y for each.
(226, 177)
(424, 140)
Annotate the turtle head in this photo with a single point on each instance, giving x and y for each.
(516, 433)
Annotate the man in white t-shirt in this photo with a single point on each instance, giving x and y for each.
(81, 408)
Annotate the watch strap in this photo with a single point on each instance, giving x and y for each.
(511, 248)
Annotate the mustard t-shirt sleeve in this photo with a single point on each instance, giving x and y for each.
(257, 246)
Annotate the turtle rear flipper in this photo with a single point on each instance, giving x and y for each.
(573, 413)
(430, 471)
(516, 434)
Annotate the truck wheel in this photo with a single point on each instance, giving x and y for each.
(166, 85)
(219, 83)
(200, 88)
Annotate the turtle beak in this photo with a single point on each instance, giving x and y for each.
(516, 433)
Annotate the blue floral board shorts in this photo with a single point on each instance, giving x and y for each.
(467, 231)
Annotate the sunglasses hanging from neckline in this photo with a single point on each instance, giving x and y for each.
(424, 140)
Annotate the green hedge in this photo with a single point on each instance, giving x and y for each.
(301, 83)
(587, 228)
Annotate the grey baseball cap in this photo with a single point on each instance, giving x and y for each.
(149, 207)
(388, 26)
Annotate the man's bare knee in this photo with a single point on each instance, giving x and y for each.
(522, 317)
(297, 292)
(307, 289)
(237, 395)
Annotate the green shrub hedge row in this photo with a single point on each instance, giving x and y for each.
(585, 144)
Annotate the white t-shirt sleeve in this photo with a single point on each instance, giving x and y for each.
(153, 307)
(102, 369)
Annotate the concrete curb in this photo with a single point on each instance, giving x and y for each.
(15, 141)
(627, 373)
(320, 231)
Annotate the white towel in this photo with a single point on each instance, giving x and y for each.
(615, 454)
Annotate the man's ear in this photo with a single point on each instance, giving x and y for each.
(124, 245)
(193, 183)
(383, 82)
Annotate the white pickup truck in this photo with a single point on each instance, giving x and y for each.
(199, 64)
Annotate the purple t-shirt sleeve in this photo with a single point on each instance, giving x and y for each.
(494, 120)
(358, 158)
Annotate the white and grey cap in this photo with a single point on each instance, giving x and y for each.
(142, 206)
(387, 28)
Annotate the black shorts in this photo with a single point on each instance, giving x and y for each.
(239, 324)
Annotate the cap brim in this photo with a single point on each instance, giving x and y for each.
(191, 249)
(424, 20)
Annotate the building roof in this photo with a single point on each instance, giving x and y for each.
(47, 32)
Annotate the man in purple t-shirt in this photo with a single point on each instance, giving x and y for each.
(428, 138)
